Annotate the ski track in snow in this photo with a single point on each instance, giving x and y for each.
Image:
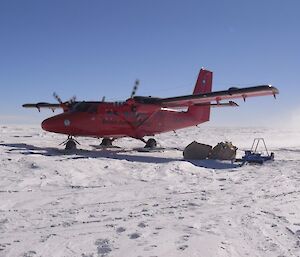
(120, 202)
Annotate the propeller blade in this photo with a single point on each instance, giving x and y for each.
(57, 98)
(73, 99)
(136, 85)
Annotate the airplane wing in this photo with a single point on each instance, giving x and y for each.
(50, 106)
(215, 98)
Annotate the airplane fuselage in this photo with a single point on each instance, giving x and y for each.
(119, 119)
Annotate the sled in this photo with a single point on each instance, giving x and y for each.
(255, 157)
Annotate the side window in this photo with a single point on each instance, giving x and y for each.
(109, 111)
(93, 108)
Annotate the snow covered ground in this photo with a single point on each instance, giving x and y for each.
(125, 203)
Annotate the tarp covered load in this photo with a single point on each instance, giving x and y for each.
(197, 151)
(223, 151)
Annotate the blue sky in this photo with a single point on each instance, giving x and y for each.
(96, 48)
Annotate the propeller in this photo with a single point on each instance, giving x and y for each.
(135, 87)
(72, 99)
(57, 98)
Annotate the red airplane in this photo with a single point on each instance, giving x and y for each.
(141, 116)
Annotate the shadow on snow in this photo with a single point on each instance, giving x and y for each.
(116, 154)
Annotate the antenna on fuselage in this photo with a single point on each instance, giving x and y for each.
(135, 87)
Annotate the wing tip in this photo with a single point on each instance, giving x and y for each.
(274, 89)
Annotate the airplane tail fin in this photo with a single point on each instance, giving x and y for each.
(203, 85)
(204, 82)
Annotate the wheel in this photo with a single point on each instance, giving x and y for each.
(151, 143)
(106, 142)
(70, 145)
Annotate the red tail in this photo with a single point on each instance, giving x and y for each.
(204, 82)
(203, 85)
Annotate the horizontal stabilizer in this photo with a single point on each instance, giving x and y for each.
(228, 104)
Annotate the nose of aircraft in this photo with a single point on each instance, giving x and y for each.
(56, 124)
(49, 124)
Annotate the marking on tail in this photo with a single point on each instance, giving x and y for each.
(203, 85)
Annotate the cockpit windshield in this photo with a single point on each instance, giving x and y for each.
(85, 107)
